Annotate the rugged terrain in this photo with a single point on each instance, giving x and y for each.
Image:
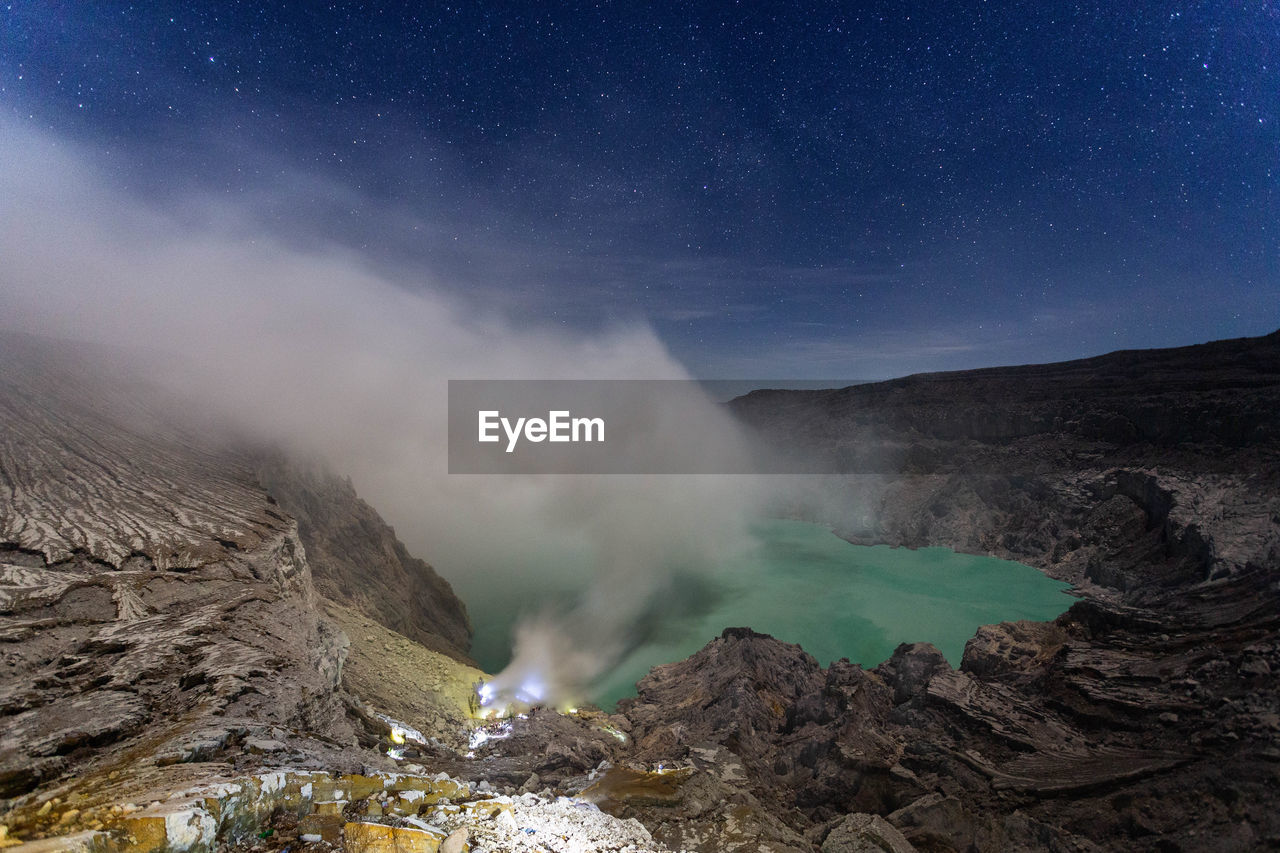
(1144, 718)
(159, 620)
(206, 643)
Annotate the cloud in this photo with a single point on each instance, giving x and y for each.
(853, 354)
(319, 349)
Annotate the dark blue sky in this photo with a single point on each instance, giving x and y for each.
(849, 190)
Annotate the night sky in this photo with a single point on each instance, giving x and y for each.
(819, 190)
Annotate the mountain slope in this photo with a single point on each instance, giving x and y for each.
(157, 603)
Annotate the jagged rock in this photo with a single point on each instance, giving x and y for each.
(865, 833)
(356, 559)
(1151, 480)
(936, 821)
(910, 669)
(736, 691)
(1012, 648)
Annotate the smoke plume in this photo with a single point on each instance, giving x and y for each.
(319, 348)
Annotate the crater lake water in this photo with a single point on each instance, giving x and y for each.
(803, 584)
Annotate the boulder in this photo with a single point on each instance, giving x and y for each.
(866, 833)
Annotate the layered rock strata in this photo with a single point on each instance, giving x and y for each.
(159, 622)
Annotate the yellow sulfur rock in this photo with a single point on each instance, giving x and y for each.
(486, 809)
(357, 787)
(180, 827)
(439, 792)
(376, 838)
(148, 833)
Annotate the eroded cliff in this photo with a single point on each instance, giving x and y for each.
(159, 616)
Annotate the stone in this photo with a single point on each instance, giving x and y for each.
(911, 667)
(377, 838)
(1255, 666)
(1020, 648)
(456, 842)
(865, 833)
(327, 826)
(80, 842)
(936, 820)
(180, 827)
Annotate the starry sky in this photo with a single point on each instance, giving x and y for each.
(816, 190)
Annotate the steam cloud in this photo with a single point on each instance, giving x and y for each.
(315, 350)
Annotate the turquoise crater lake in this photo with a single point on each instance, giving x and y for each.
(803, 584)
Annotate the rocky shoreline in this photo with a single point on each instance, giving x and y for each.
(1145, 717)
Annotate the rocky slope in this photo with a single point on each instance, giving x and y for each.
(159, 622)
(174, 676)
(1144, 718)
(356, 558)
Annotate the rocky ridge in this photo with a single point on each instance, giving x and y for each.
(1151, 481)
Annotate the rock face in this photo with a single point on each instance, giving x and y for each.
(356, 559)
(158, 616)
(1151, 480)
(1128, 470)
(389, 672)
(865, 833)
(139, 571)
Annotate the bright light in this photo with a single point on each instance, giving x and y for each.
(531, 691)
(611, 730)
(483, 734)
